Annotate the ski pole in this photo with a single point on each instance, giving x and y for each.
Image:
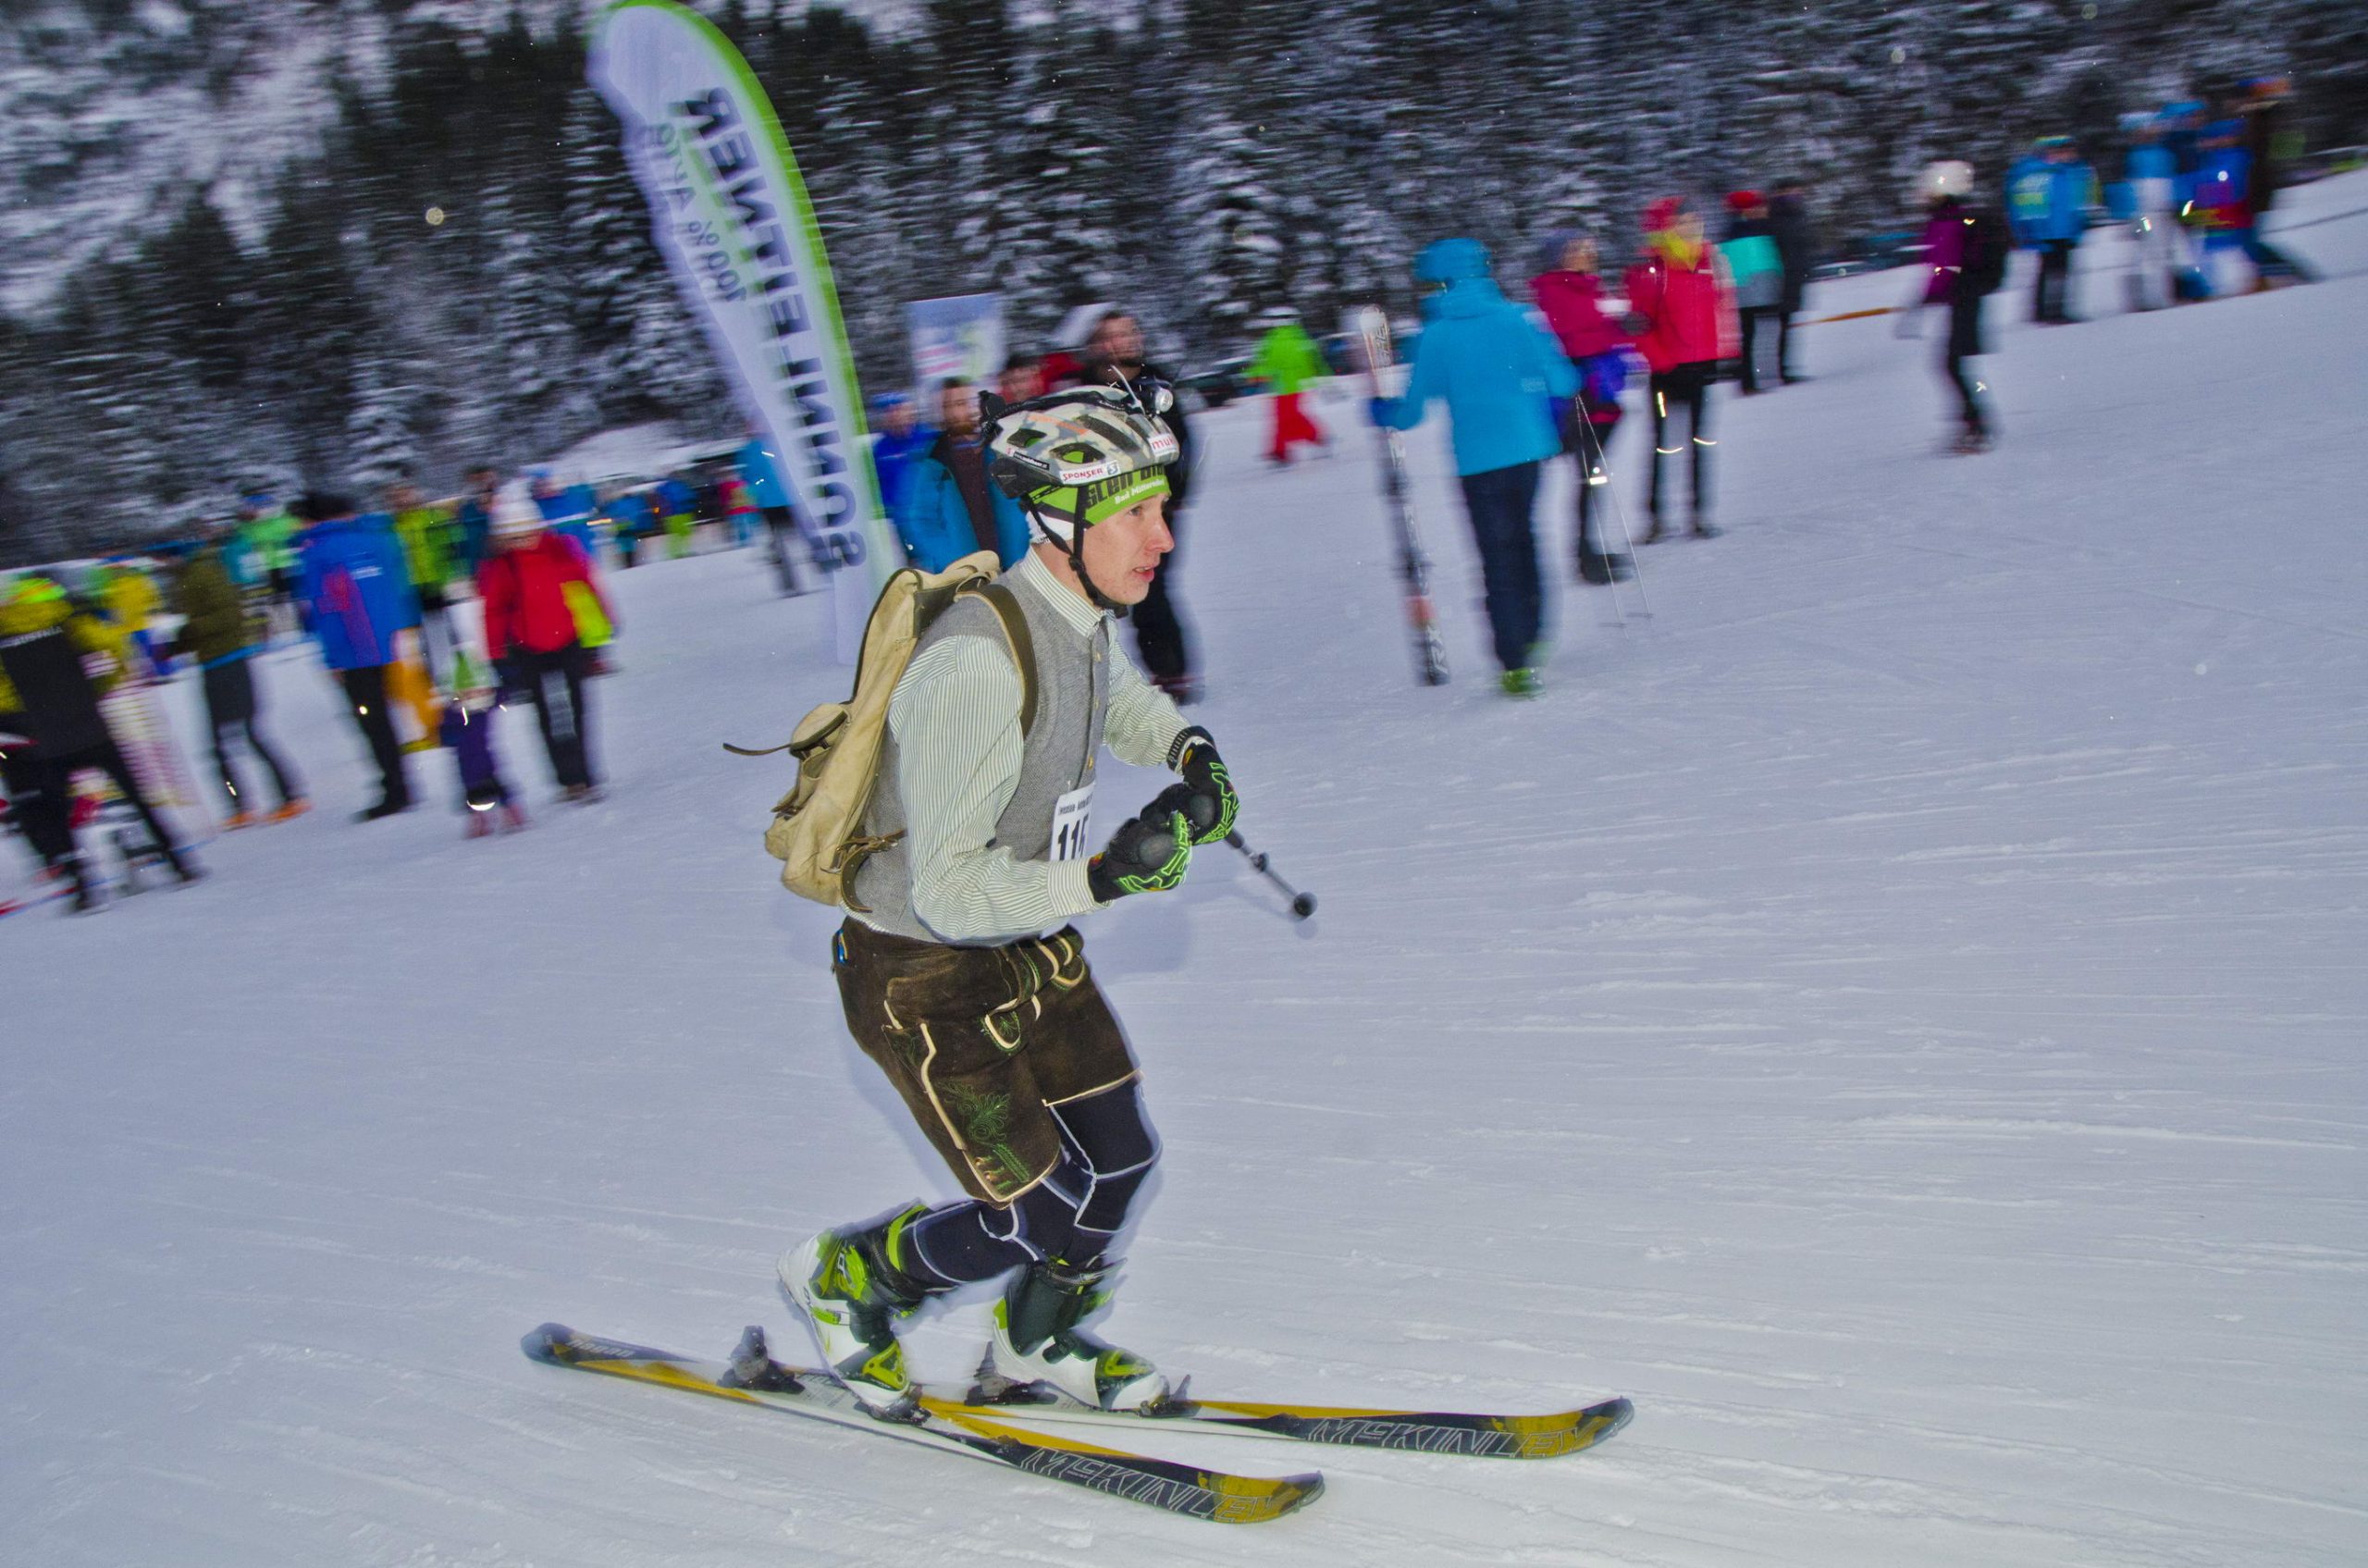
(1303, 903)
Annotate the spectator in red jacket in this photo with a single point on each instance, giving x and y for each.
(538, 590)
(1679, 309)
(1570, 294)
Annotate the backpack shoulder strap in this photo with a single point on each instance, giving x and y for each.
(1023, 647)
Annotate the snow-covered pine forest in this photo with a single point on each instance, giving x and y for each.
(259, 241)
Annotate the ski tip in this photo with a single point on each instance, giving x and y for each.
(547, 1343)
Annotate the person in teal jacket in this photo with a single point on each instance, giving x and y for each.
(1498, 372)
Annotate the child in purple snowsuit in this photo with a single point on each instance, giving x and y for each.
(467, 729)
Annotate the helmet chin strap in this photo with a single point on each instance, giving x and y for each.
(1074, 548)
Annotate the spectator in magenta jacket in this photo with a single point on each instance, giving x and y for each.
(538, 591)
(1684, 321)
(1570, 294)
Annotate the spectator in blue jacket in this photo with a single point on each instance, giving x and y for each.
(1498, 371)
(902, 441)
(2048, 196)
(951, 508)
(355, 585)
(761, 472)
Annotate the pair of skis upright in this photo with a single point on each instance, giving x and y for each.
(1008, 1427)
(1372, 327)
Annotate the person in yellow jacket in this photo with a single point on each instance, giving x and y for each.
(131, 601)
(57, 661)
(430, 540)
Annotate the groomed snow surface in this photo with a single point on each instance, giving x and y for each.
(1897, 1013)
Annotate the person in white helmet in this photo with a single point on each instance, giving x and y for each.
(960, 975)
(1965, 257)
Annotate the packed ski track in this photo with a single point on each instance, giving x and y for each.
(1896, 1013)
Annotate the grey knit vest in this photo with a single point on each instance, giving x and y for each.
(1072, 697)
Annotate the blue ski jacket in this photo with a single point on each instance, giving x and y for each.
(762, 474)
(1495, 365)
(2048, 200)
(356, 586)
(935, 522)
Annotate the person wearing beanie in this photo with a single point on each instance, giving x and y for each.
(1757, 269)
(1683, 318)
(1499, 373)
(539, 592)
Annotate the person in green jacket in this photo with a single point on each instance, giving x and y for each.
(1288, 361)
(217, 633)
(266, 547)
(431, 543)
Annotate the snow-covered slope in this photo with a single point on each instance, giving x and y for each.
(1897, 1014)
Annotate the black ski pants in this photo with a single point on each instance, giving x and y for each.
(1501, 502)
(2052, 297)
(1687, 388)
(1589, 445)
(1964, 343)
(366, 691)
(781, 526)
(55, 792)
(230, 711)
(1754, 319)
(556, 683)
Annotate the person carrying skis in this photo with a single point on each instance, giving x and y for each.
(960, 976)
(1288, 361)
(1570, 294)
(1965, 253)
(1498, 372)
(1683, 318)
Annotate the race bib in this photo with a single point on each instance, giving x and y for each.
(1070, 814)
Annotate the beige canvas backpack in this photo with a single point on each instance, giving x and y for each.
(817, 831)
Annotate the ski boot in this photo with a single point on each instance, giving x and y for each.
(849, 1288)
(1038, 1343)
(1524, 682)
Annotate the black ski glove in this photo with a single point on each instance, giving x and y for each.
(1214, 805)
(1148, 854)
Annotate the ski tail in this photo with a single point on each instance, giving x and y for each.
(751, 1378)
